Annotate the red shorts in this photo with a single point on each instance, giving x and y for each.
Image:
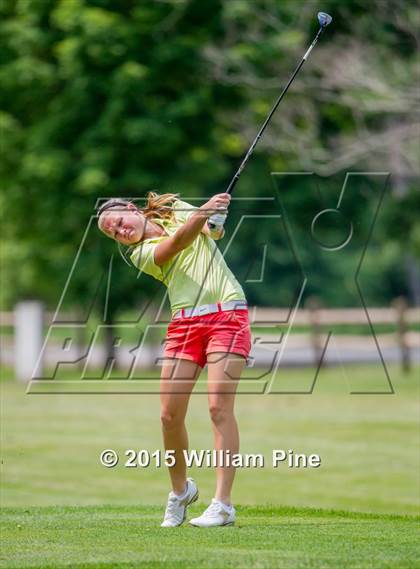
(195, 337)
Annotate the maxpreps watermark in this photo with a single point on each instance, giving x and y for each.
(206, 458)
(328, 228)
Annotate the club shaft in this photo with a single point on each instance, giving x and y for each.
(235, 178)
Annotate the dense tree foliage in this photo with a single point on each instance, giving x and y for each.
(107, 98)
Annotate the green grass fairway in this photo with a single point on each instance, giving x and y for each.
(122, 537)
(62, 508)
(50, 445)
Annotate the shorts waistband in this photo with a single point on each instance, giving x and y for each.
(210, 309)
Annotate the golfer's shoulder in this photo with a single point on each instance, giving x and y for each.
(183, 209)
(179, 204)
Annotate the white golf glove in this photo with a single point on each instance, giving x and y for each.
(216, 221)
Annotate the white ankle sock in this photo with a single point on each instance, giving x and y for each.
(184, 493)
(228, 507)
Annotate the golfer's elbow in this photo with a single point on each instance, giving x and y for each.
(217, 235)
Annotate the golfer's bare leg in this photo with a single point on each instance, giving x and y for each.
(177, 381)
(224, 372)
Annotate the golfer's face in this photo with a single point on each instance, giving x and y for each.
(125, 226)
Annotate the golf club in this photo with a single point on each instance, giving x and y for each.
(217, 220)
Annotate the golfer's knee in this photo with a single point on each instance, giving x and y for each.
(219, 413)
(171, 419)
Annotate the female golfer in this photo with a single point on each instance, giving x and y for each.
(171, 241)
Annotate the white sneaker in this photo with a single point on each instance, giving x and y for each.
(176, 509)
(217, 514)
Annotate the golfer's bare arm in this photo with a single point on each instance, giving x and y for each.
(184, 236)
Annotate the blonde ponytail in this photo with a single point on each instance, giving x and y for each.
(159, 205)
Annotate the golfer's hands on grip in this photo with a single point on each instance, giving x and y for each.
(218, 204)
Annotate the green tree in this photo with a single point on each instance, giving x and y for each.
(107, 98)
